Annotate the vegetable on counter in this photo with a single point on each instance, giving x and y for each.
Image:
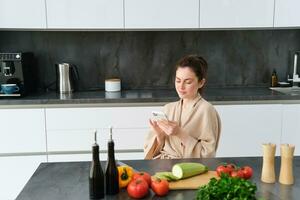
(125, 175)
(166, 176)
(232, 170)
(227, 188)
(160, 186)
(138, 188)
(185, 170)
(144, 175)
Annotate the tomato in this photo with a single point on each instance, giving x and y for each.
(160, 186)
(247, 171)
(143, 175)
(231, 167)
(223, 169)
(138, 188)
(237, 173)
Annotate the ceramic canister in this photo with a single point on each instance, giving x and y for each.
(113, 85)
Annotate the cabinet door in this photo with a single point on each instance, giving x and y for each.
(287, 13)
(236, 13)
(15, 172)
(82, 140)
(93, 118)
(246, 127)
(22, 14)
(88, 14)
(88, 157)
(141, 14)
(22, 130)
(291, 126)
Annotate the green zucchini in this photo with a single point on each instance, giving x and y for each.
(166, 175)
(185, 170)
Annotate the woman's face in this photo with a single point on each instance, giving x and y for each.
(187, 83)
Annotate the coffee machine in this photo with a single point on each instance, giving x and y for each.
(18, 68)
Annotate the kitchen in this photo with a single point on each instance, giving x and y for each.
(243, 41)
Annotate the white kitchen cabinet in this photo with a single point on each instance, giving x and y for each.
(246, 127)
(82, 140)
(236, 13)
(22, 14)
(15, 172)
(22, 130)
(72, 129)
(145, 14)
(88, 14)
(88, 157)
(98, 117)
(291, 126)
(287, 13)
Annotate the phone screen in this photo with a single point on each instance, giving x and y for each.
(158, 115)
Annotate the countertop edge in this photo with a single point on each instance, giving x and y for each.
(141, 104)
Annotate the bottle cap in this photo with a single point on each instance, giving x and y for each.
(110, 133)
(95, 138)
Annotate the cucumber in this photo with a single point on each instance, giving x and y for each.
(185, 170)
(166, 175)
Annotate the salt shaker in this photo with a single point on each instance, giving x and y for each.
(286, 169)
(268, 169)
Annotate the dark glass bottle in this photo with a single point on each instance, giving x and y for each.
(96, 178)
(274, 79)
(111, 174)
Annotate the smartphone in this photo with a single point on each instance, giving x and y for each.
(158, 115)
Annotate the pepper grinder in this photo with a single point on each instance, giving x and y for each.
(286, 169)
(268, 169)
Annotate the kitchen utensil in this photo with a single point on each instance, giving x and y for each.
(9, 88)
(66, 77)
(113, 85)
(268, 169)
(193, 182)
(286, 169)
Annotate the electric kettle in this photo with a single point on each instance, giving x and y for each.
(66, 77)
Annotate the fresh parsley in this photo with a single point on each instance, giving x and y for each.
(227, 188)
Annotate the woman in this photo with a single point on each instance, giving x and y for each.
(193, 126)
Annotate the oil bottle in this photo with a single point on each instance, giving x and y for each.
(96, 177)
(111, 173)
(274, 79)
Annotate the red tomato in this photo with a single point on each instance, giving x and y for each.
(143, 175)
(237, 173)
(223, 169)
(137, 188)
(231, 166)
(247, 172)
(160, 186)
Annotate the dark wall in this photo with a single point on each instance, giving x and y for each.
(146, 59)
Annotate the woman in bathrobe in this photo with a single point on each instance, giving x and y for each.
(193, 126)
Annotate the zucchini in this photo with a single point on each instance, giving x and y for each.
(166, 175)
(185, 170)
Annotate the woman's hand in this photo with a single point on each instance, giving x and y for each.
(172, 128)
(157, 130)
(169, 127)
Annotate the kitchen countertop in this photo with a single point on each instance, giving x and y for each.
(69, 180)
(241, 95)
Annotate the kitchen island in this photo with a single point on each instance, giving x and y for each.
(69, 180)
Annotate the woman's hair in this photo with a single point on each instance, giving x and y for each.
(197, 64)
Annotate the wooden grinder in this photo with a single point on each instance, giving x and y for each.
(286, 169)
(268, 169)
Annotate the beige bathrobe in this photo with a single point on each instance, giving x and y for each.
(200, 120)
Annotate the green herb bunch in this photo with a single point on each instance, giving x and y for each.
(227, 188)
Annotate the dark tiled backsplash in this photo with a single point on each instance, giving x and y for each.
(145, 60)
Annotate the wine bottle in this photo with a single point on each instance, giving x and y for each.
(111, 174)
(96, 177)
